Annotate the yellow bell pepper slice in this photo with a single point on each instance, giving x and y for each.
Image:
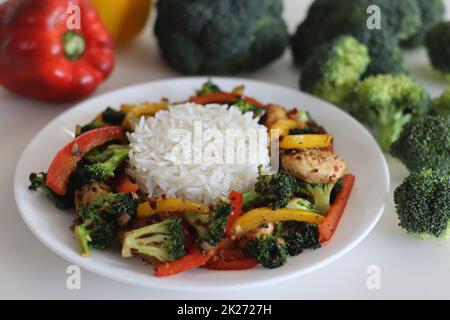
(171, 205)
(135, 113)
(283, 125)
(253, 219)
(306, 141)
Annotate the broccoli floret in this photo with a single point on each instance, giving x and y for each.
(163, 241)
(335, 70)
(422, 202)
(38, 182)
(245, 107)
(219, 37)
(438, 45)
(302, 204)
(113, 117)
(210, 228)
(299, 236)
(270, 250)
(102, 171)
(386, 103)
(425, 143)
(320, 193)
(432, 12)
(99, 221)
(441, 105)
(272, 190)
(208, 88)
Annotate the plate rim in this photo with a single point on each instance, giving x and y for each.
(85, 264)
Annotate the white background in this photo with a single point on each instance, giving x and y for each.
(410, 268)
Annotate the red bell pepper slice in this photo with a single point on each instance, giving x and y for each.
(236, 201)
(223, 97)
(125, 185)
(230, 265)
(329, 225)
(66, 160)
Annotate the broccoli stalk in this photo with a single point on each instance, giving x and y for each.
(302, 204)
(273, 191)
(270, 250)
(163, 241)
(102, 171)
(320, 193)
(99, 221)
(422, 203)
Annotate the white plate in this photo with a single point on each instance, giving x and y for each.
(353, 143)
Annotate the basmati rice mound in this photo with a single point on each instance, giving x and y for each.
(160, 170)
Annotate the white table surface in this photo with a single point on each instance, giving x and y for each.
(410, 268)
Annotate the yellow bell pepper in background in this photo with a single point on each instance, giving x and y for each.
(253, 219)
(171, 205)
(306, 141)
(124, 19)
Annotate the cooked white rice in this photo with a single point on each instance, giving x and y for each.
(160, 170)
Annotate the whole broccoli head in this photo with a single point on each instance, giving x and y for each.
(299, 236)
(334, 71)
(271, 190)
(425, 143)
(163, 241)
(441, 105)
(99, 221)
(422, 202)
(387, 102)
(438, 45)
(270, 250)
(432, 12)
(219, 37)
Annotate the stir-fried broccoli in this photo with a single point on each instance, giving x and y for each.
(320, 193)
(272, 190)
(270, 250)
(109, 117)
(163, 241)
(208, 88)
(441, 105)
(99, 221)
(432, 12)
(104, 170)
(38, 182)
(333, 73)
(302, 204)
(425, 143)
(245, 107)
(387, 102)
(215, 37)
(438, 45)
(210, 228)
(423, 203)
(299, 236)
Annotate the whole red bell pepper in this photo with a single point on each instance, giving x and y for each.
(41, 58)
